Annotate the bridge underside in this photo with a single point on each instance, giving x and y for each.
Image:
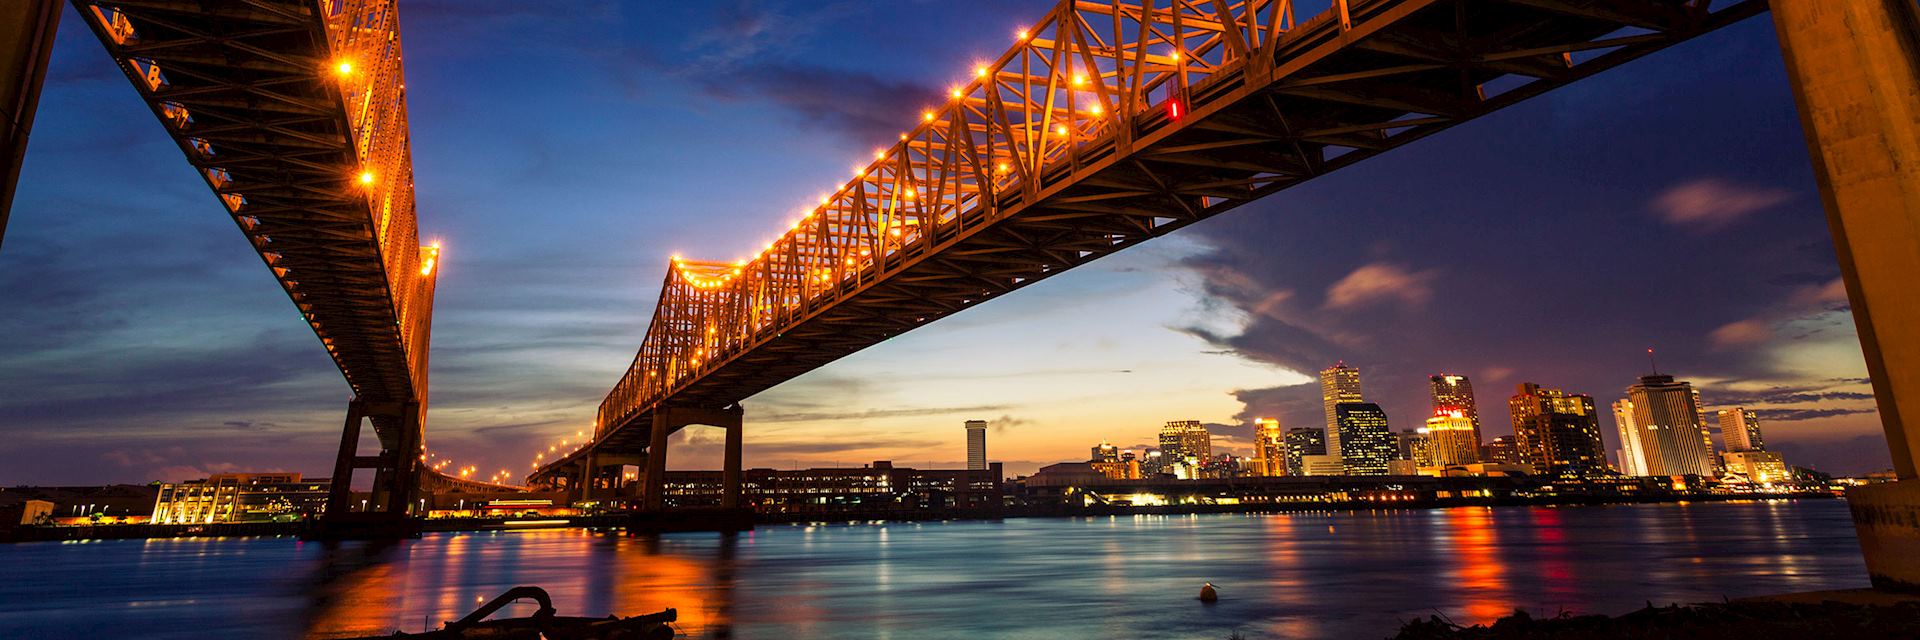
(1335, 90)
(294, 113)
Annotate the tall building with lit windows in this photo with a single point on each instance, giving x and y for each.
(1632, 457)
(976, 445)
(1301, 442)
(1706, 436)
(1557, 432)
(1368, 442)
(1668, 424)
(1338, 384)
(1454, 393)
(1451, 439)
(1269, 448)
(1740, 430)
(1184, 446)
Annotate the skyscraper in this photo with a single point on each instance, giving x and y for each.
(1669, 427)
(1706, 436)
(1185, 444)
(1304, 441)
(1105, 452)
(1740, 430)
(1633, 457)
(1414, 446)
(1338, 383)
(977, 444)
(1455, 393)
(1451, 439)
(1269, 448)
(1367, 441)
(1557, 432)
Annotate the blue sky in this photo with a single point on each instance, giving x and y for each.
(560, 157)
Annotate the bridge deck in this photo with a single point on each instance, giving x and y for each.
(1122, 125)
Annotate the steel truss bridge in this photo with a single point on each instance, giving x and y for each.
(295, 114)
(1104, 125)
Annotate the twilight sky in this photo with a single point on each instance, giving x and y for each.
(560, 157)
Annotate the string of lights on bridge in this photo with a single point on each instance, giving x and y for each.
(1062, 73)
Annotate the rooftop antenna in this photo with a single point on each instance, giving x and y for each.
(1651, 363)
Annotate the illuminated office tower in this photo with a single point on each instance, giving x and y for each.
(1455, 393)
(1301, 442)
(1633, 459)
(1269, 448)
(1759, 467)
(1368, 442)
(1451, 439)
(1500, 450)
(1104, 452)
(1706, 436)
(1185, 443)
(977, 444)
(1338, 383)
(1740, 430)
(1669, 427)
(1557, 432)
(1414, 446)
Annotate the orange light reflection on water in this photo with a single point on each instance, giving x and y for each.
(1479, 573)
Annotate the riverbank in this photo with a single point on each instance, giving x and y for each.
(691, 521)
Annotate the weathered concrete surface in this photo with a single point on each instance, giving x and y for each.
(1855, 69)
(1887, 519)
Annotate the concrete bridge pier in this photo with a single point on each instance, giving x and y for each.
(390, 509)
(1855, 70)
(665, 421)
(598, 476)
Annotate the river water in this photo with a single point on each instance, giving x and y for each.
(1341, 574)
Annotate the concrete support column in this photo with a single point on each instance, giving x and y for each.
(655, 483)
(588, 469)
(1855, 70)
(340, 492)
(730, 467)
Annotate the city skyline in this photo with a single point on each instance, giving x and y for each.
(1223, 324)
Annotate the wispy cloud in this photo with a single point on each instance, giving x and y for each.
(1712, 203)
(1381, 282)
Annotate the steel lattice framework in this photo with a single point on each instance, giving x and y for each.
(294, 112)
(1103, 126)
(1106, 125)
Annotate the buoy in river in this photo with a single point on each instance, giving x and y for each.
(1207, 594)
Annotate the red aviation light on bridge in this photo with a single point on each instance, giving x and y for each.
(1173, 109)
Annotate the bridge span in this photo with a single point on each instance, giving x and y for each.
(294, 112)
(1104, 125)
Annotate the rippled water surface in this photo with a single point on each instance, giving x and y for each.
(1306, 575)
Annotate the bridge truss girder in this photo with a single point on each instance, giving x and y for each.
(1104, 126)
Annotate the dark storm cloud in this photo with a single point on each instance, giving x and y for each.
(777, 449)
(1794, 415)
(868, 108)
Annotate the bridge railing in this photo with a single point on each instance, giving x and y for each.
(1078, 87)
